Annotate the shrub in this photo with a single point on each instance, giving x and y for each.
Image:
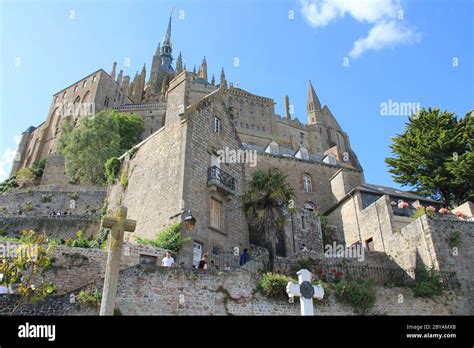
(90, 298)
(454, 240)
(79, 241)
(112, 168)
(428, 283)
(25, 177)
(74, 195)
(273, 285)
(359, 294)
(8, 184)
(28, 206)
(46, 198)
(421, 210)
(170, 238)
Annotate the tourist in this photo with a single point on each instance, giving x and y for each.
(244, 258)
(226, 266)
(203, 263)
(167, 261)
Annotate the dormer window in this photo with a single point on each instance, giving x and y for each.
(330, 159)
(273, 148)
(302, 154)
(217, 124)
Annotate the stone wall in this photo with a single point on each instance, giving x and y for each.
(163, 291)
(61, 227)
(43, 199)
(73, 268)
(430, 242)
(54, 171)
(22, 209)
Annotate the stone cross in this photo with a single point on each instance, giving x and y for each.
(305, 291)
(119, 224)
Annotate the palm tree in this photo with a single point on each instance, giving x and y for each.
(265, 204)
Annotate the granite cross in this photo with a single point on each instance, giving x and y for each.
(119, 225)
(305, 291)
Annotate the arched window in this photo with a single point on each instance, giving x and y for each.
(307, 183)
(309, 206)
(86, 97)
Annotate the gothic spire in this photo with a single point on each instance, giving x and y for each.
(223, 80)
(167, 37)
(179, 63)
(313, 103)
(213, 80)
(166, 50)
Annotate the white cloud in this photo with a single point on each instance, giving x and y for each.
(387, 31)
(6, 160)
(384, 34)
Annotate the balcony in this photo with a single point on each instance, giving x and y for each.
(222, 180)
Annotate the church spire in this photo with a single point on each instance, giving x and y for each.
(167, 49)
(179, 63)
(313, 103)
(167, 37)
(223, 80)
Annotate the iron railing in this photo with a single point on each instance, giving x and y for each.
(216, 174)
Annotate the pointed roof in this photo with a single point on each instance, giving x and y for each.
(167, 37)
(313, 99)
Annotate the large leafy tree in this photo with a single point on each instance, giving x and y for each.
(434, 156)
(87, 147)
(265, 204)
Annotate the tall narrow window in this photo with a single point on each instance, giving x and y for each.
(307, 183)
(217, 124)
(215, 213)
(303, 223)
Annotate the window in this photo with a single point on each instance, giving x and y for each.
(307, 183)
(215, 213)
(106, 101)
(197, 252)
(64, 94)
(75, 88)
(94, 78)
(303, 223)
(84, 84)
(217, 124)
(309, 206)
(369, 244)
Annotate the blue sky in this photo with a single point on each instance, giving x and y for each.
(423, 54)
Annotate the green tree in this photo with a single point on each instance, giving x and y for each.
(25, 270)
(434, 156)
(170, 238)
(130, 128)
(87, 147)
(25, 177)
(268, 194)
